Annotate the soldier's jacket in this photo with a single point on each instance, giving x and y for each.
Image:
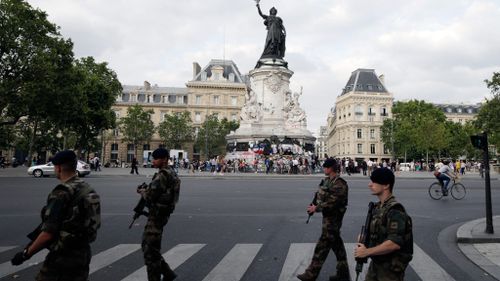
(391, 222)
(63, 218)
(332, 196)
(162, 193)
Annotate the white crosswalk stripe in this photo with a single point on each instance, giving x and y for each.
(7, 268)
(235, 263)
(426, 268)
(174, 257)
(4, 249)
(298, 258)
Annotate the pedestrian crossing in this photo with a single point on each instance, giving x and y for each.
(234, 265)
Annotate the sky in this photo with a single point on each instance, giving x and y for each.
(440, 51)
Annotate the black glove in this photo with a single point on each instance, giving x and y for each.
(19, 258)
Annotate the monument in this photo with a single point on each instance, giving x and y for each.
(271, 117)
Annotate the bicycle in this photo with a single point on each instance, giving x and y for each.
(456, 189)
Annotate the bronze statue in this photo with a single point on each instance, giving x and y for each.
(276, 34)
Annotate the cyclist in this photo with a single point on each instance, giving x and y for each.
(444, 174)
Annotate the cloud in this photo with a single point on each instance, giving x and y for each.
(440, 51)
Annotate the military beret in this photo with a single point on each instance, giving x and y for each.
(329, 163)
(64, 157)
(160, 153)
(382, 176)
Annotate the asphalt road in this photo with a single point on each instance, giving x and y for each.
(224, 214)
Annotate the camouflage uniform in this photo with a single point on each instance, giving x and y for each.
(390, 222)
(332, 202)
(69, 256)
(160, 197)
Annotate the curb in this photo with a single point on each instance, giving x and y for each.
(467, 233)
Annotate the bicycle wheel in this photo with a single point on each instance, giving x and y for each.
(458, 191)
(436, 191)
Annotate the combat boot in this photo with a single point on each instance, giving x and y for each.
(306, 276)
(169, 276)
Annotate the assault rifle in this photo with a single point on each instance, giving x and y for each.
(364, 238)
(139, 208)
(314, 202)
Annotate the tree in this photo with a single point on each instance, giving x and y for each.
(137, 126)
(176, 129)
(416, 127)
(34, 58)
(489, 114)
(211, 138)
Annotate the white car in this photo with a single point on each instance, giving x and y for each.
(38, 171)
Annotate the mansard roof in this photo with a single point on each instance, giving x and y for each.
(153, 89)
(459, 108)
(229, 67)
(364, 80)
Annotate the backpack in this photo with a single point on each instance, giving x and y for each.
(408, 236)
(90, 204)
(176, 187)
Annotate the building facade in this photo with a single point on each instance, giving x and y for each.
(321, 144)
(355, 120)
(459, 113)
(218, 88)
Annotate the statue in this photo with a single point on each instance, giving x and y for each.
(294, 115)
(251, 109)
(276, 34)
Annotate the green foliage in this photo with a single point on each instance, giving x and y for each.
(176, 130)
(417, 128)
(211, 138)
(137, 127)
(488, 118)
(34, 61)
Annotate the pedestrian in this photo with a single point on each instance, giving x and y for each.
(97, 163)
(68, 238)
(391, 238)
(332, 203)
(135, 165)
(161, 195)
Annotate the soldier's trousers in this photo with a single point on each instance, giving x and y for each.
(66, 265)
(383, 272)
(330, 240)
(151, 248)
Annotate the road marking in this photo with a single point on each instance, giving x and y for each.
(174, 257)
(349, 249)
(5, 249)
(426, 268)
(233, 266)
(110, 256)
(7, 268)
(298, 258)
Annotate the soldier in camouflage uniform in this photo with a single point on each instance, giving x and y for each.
(332, 202)
(161, 196)
(64, 230)
(391, 240)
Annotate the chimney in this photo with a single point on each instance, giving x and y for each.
(382, 79)
(196, 69)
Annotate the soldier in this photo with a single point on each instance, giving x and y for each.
(69, 224)
(332, 202)
(161, 195)
(391, 239)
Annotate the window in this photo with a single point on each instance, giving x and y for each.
(459, 110)
(372, 148)
(116, 132)
(448, 110)
(383, 111)
(146, 147)
(234, 117)
(126, 97)
(114, 151)
(358, 110)
(360, 148)
(198, 100)
(372, 133)
(370, 87)
(171, 98)
(216, 99)
(180, 100)
(156, 98)
(386, 149)
(133, 98)
(130, 152)
(141, 98)
(234, 101)
(197, 116)
(371, 111)
(360, 133)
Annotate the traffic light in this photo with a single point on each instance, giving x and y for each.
(479, 141)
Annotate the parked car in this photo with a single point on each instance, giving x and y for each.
(38, 171)
(405, 167)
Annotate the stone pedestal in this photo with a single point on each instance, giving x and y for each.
(271, 109)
